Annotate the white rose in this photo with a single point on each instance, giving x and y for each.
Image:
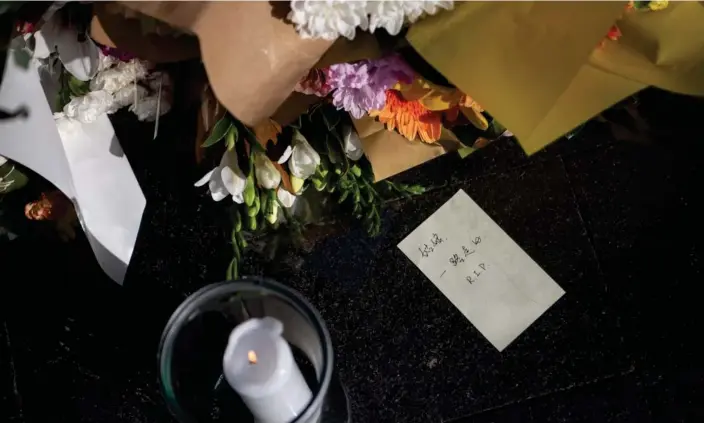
(267, 175)
(353, 145)
(304, 159)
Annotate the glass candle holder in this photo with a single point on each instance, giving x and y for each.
(194, 340)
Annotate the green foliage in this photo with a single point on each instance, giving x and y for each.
(221, 128)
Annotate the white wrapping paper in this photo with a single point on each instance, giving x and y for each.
(87, 165)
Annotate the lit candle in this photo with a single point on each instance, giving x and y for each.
(259, 365)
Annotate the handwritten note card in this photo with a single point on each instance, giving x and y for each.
(479, 268)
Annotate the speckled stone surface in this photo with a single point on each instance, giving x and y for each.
(613, 223)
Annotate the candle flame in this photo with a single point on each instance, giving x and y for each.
(252, 357)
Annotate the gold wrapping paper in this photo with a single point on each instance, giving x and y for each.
(535, 66)
(391, 153)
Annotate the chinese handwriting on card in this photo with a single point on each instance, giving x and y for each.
(481, 270)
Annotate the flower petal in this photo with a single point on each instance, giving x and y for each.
(285, 156)
(286, 198)
(200, 182)
(217, 190)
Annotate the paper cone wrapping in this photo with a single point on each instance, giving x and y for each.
(113, 29)
(535, 66)
(391, 153)
(252, 56)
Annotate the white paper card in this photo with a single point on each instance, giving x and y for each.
(481, 270)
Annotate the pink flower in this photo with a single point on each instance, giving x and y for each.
(314, 83)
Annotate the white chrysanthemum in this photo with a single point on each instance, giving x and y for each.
(105, 62)
(126, 96)
(387, 14)
(117, 77)
(155, 78)
(328, 19)
(145, 108)
(87, 108)
(392, 14)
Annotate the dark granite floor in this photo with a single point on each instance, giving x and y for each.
(616, 224)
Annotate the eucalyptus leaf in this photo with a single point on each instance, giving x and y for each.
(219, 131)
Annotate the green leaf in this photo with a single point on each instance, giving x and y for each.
(343, 197)
(232, 137)
(219, 131)
(416, 189)
(11, 178)
(77, 87)
(465, 151)
(22, 58)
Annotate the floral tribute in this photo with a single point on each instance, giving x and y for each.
(279, 180)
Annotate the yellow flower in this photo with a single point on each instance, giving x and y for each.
(658, 4)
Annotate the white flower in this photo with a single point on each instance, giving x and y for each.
(386, 14)
(145, 109)
(285, 155)
(265, 171)
(156, 78)
(286, 198)
(119, 76)
(86, 109)
(304, 159)
(225, 179)
(353, 145)
(392, 14)
(105, 62)
(126, 96)
(328, 19)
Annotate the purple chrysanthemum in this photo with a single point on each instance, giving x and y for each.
(360, 87)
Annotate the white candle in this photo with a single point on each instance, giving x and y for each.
(258, 364)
